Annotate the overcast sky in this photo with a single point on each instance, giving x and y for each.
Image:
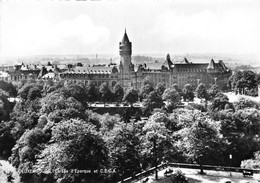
(154, 26)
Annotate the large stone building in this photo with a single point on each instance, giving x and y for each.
(129, 75)
(168, 73)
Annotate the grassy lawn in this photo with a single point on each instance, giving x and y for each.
(210, 177)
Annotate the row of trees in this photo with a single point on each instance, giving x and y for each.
(245, 82)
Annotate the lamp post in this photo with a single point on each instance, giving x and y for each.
(230, 160)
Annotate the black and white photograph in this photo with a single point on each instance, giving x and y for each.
(129, 91)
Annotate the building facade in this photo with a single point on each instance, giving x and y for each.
(128, 74)
(167, 73)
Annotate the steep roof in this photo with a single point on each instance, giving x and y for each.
(220, 66)
(125, 38)
(190, 66)
(154, 66)
(211, 64)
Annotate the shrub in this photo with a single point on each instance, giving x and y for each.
(179, 177)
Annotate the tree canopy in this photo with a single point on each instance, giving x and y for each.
(172, 97)
(154, 100)
(131, 96)
(188, 93)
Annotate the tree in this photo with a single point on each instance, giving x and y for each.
(220, 102)
(75, 144)
(118, 92)
(160, 88)
(252, 163)
(156, 136)
(27, 148)
(243, 81)
(6, 107)
(9, 88)
(8, 173)
(131, 96)
(7, 141)
(154, 100)
(58, 108)
(214, 89)
(77, 91)
(50, 86)
(188, 93)
(24, 91)
(92, 93)
(244, 103)
(125, 144)
(179, 177)
(241, 129)
(201, 92)
(146, 89)
(202, 141)
(105, 92)
(172, 97)
(177, 88)
(34, 93)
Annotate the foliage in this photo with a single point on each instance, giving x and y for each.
(105, 92)
(153, 101)
(220, 102)
(27, 148)
(51, 87)
(252, 163)
(77, 91)
(146, 89)
(118, 92)
(157, 138)
(92, 92)
(177, 88)
(75, 145)
(24, 91)
(214, 89)
(109, 122)
(9, 88)
(33, 93)
(178, 176)
(51, 129)
(8, 173)
(243, 103)
(125, 153)
(6, 106)
(131, 96)
(201, 91)
(241, 129)
(172, 97)
(188, 93)
(7, 140)
(199, 107)
(58, 107)
(160, 88)
(202, 141)
(243, 80)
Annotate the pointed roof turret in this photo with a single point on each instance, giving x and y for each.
(222, 65)
(186, 61)
(211, 64)
(125, 38)
(168, 61)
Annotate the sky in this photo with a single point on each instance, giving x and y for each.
(47, 27)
